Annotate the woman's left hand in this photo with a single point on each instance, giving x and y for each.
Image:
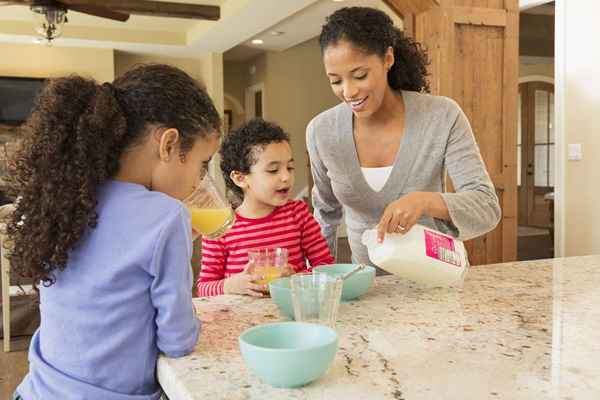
(401, 215)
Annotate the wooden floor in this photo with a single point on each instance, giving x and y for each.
(13, 367)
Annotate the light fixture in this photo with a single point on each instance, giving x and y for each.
(50, 17)
(258, 41)
(276, 33)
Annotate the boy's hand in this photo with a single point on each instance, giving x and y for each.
(242, 283)
(288, 270)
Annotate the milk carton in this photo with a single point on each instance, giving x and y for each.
(423, 255)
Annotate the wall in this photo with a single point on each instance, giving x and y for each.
(540, 69)
(40, 61)
(206, 69)
(578, 112)
(297, 90)
(236, 79)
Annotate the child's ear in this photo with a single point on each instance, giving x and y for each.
(167, 143)
(239, 179)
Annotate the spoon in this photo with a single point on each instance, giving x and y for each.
(359, 267)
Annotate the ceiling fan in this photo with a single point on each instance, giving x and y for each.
(54, 12)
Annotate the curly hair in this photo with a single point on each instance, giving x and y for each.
(241, 147)
(373, 31)
(73, 141)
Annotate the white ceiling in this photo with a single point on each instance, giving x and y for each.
(241, 21)
(298, 28)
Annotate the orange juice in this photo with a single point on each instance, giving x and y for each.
(209, 220)
(268, 272)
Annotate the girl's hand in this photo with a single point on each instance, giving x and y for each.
(195, 235)
(243, 283)
(401, 215)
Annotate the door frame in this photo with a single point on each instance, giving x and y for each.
(250, 105)
(524, 172)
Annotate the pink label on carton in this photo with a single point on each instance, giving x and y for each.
(441, 247)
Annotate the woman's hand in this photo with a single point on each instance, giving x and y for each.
(401, 215)
(243, 283)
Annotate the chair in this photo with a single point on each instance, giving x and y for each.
(5, 212)
(9, 291)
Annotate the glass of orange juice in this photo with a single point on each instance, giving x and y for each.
(268, 262)
(211, 213)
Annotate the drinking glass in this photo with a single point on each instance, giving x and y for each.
(212, 215)
(268, 262)
(316, 297)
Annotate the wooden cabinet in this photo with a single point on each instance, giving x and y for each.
(473, 46)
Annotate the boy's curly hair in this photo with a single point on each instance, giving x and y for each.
(241, 147)
(373, 31)
(73, 141)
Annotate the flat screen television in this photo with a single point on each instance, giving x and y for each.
(16, 98)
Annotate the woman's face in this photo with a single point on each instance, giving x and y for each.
(356, 77)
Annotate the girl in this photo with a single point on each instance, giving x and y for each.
(257, 163)
(100, 224)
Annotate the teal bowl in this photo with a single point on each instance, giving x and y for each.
(288, 354)
(282, 296)
(356, 285)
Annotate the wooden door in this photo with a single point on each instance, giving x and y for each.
(473, 46)
(535, 150)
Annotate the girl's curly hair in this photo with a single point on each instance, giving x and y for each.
(373, 31)
(241, 147)
(73, 141)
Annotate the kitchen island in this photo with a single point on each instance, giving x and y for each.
(523, 330)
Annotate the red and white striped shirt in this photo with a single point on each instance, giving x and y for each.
(291, 226)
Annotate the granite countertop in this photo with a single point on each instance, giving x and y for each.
(524, 330)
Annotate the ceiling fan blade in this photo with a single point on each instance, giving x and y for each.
(99, 11)
(15, 3)
(155, 8)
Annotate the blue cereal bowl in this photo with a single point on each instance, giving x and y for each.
(356, 285)
(288, 354)
(281, 295)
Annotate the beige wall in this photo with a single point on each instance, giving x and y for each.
(40, 61)
(581, 87)
(236, 79)
(207, 69)
(297, 90)
(546, 69)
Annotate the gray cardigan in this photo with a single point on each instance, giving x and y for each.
(437, 138)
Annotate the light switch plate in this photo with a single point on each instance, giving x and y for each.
(575, 152)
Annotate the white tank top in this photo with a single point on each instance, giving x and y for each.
(376, 177)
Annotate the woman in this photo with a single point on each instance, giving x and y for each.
(381, 155)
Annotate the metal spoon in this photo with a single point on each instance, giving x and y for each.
(359, 267)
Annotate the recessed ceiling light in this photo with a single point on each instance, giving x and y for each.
(258, 41)
(277, 33)
(338, 1)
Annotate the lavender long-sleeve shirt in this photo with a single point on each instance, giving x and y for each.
(124, 296)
